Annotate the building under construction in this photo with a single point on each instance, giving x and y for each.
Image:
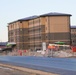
(31, 32)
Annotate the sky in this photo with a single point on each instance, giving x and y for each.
(11, 10)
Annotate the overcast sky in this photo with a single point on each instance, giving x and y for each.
(11, 10)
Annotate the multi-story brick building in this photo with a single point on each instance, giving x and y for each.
(31, 32)
(73, 35)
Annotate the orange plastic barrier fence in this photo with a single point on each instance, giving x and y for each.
(51, 47)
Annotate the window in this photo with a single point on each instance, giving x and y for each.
(46, 28)
(20, 21)
(20, 29)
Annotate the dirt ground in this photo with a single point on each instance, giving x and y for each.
(9, 71)
(13, 70)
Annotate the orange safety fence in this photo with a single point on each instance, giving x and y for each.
(51, 47)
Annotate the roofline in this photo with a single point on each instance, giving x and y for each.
(73, 27)
(56, 15)
(22, 20)
(13, 21)
(44, 15)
